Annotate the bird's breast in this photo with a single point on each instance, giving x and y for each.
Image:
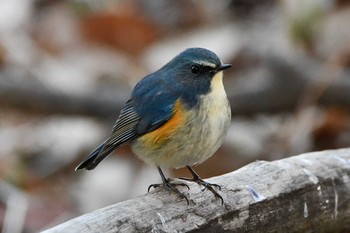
(192, 135)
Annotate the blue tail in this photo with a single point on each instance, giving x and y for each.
(91, 161)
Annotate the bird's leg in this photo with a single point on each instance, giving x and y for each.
(206, 185)
(169, 185)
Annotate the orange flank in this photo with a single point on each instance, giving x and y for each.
(157, 137)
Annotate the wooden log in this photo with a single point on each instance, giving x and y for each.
(305, 193)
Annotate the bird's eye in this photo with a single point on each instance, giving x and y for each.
(195, 69)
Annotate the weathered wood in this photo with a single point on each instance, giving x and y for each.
(305, 193)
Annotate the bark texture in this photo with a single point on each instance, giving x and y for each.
(304, 193)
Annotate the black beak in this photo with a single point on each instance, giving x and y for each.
(223, 67)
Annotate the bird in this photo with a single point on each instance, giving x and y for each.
(175, 117)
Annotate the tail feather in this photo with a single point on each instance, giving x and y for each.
(93, 159)
(124, 130)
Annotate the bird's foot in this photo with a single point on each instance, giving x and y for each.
(171, 186)
(211, 187)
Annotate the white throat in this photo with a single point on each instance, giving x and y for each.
(217, 86)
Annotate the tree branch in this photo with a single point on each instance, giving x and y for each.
(305, 193)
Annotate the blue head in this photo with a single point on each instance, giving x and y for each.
(192, 72)
(188, 76)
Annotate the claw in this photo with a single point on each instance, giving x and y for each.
(210, 186)
(169, 182)
(206, 185)
(170, 185)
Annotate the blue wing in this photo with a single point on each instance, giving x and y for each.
(154, 100)
(123, 131)
(151, 105)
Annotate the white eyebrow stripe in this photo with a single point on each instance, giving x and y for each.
(203, 63)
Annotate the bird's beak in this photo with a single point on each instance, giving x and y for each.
(223, 67)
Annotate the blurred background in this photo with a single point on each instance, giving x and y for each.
(68, 66)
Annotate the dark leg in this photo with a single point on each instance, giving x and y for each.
(170, 186)
(206, 185)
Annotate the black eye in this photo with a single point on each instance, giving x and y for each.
(195, 69)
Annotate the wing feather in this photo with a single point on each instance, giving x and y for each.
(124, 130)
(151, 106)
